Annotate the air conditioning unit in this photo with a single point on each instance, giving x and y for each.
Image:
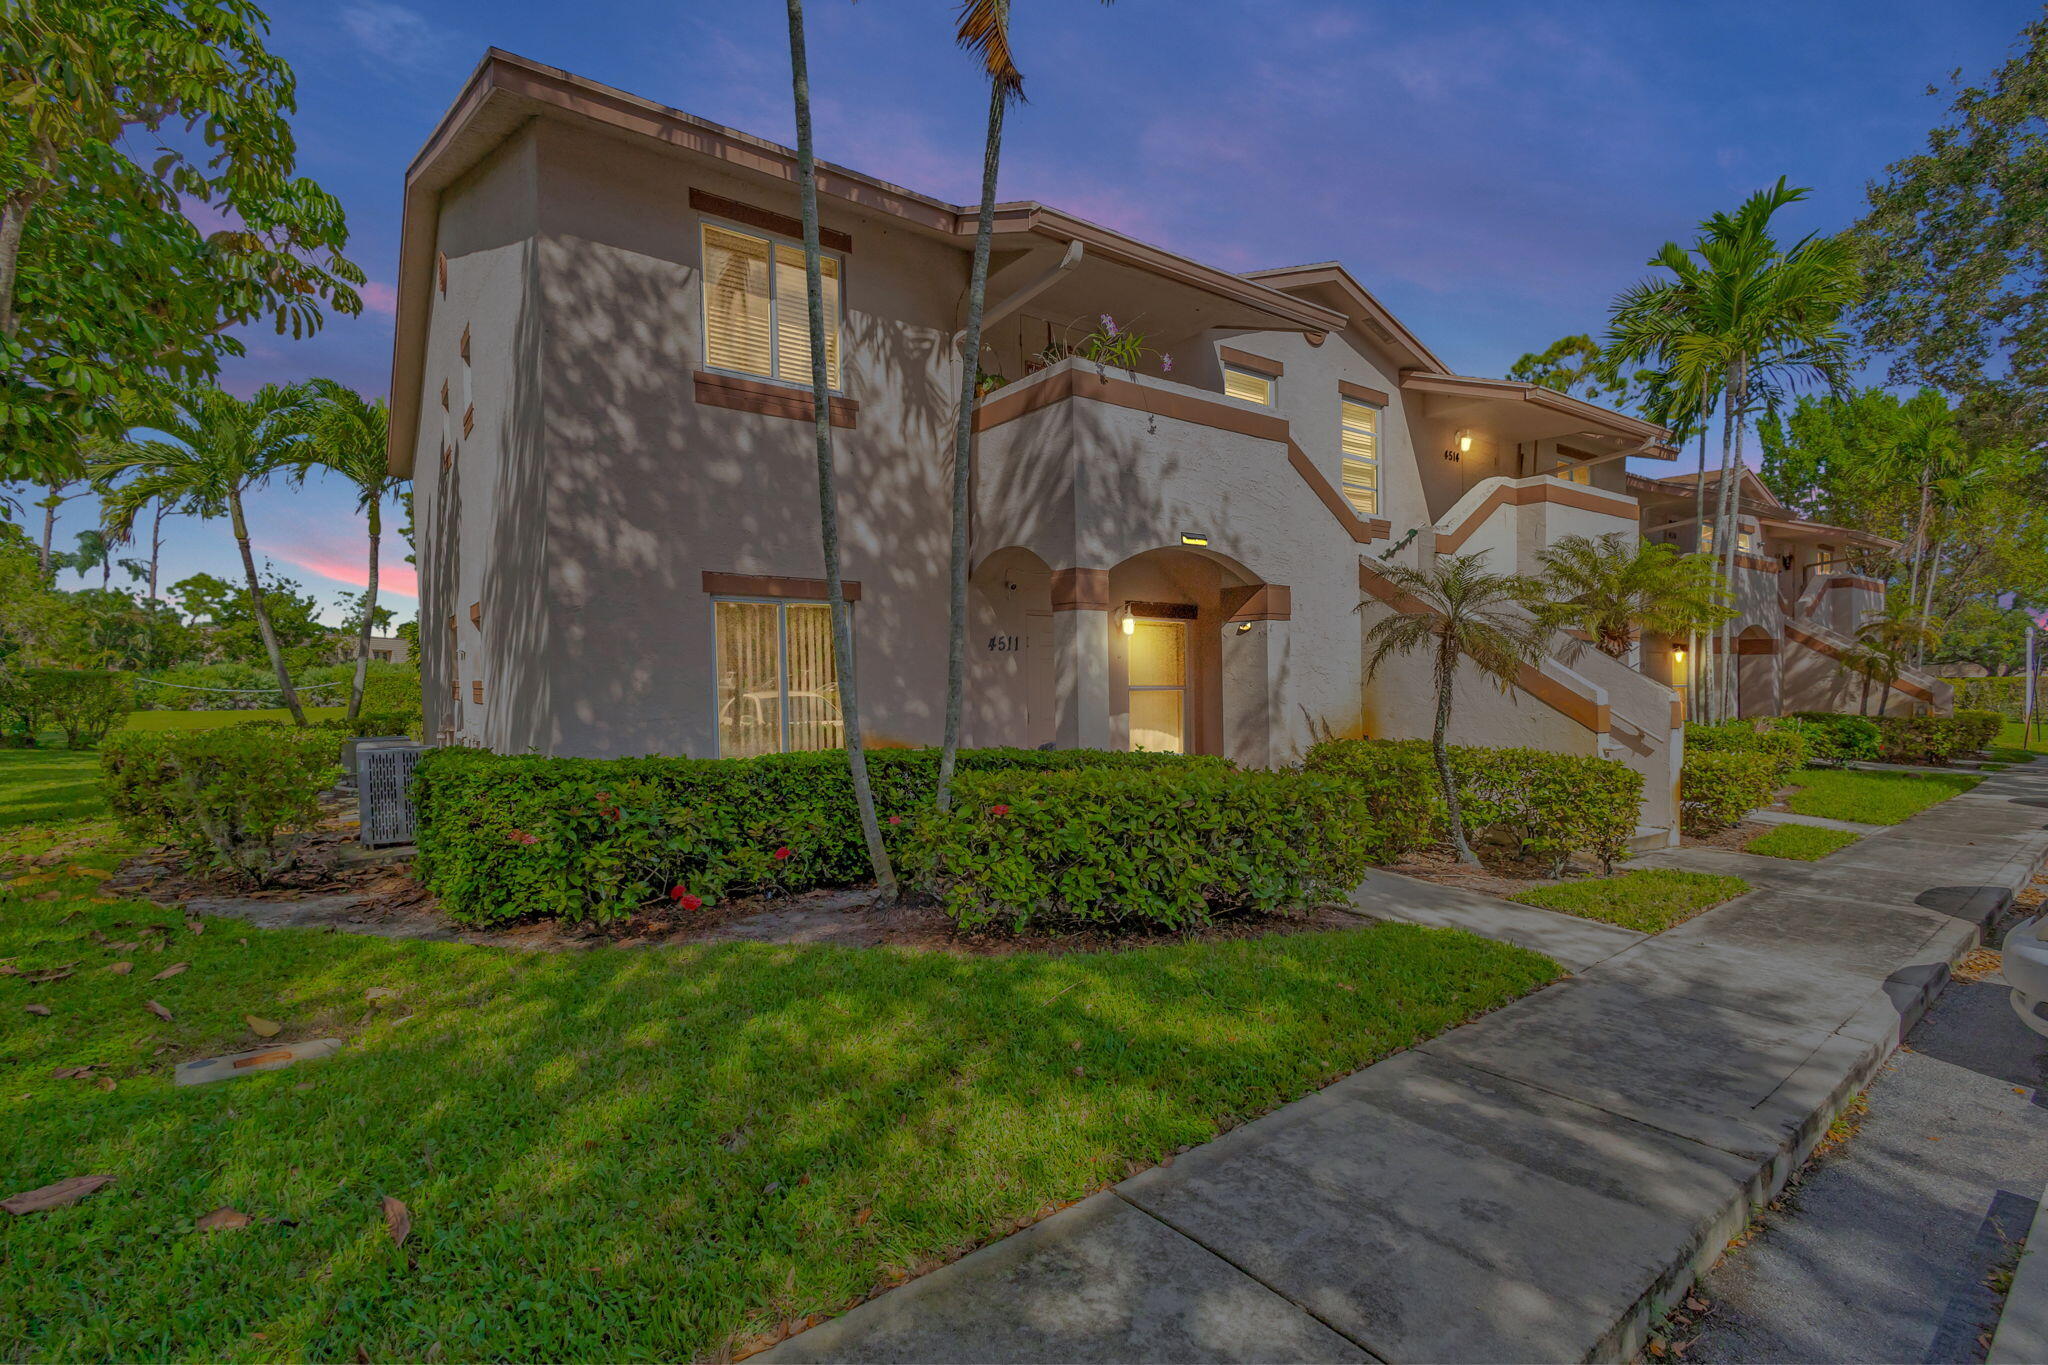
(384, 769)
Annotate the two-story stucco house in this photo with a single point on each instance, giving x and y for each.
(600, 390)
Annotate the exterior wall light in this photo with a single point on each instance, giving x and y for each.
(1461, 445)
(1190, 538)
(1130, 622)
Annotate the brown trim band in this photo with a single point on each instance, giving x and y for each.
(1866, 584)
(1266, 602)
(1080, 590)
(1757, 563)
(767, 220)
(1508, 495)
(771, 585)
(1364, 393)
(1755, 644)
(769, 400)
(1245, 360)
(1820, 646)
(1557, 695)
(1125, 393)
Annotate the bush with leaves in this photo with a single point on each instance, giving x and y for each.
(84, 703)
(1922, 740)
(231, 798)
(1978, 729)
(1717, 787)
(1156, 848)
(1837, 738)
(1786, 747)
(504, 836)
(1536, 803)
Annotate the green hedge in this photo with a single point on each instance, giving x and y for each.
(1786, 746)
(2006, 696)
(1542, 804)
(84, 703)
(505, 836)
(1979, 729)
(1717, 787)
(1835, 737)
(231, 798)
(1924, 739)
(1165, 848)
(250, 687)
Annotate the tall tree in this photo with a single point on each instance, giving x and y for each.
(1459, 611)
(346, 435)
(1616, 588)
(121, 121)
(220, 448)
(1743, 313)
(1955, 252)
(828, 492)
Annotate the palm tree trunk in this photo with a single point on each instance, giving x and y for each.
(261, 612)
(1446, 672)
(1724, 535)
(156, 545)
(1863, 705)
(828, 493)
(963, 446)
(1927, 605)
(355, 690)
(49, 532)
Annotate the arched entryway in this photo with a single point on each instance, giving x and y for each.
(1185, 676)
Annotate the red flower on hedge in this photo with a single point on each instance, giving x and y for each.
(895, 819)
(782, 854)
(520, 836)
(681, 896)
(998, 810)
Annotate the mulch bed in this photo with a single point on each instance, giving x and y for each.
(1734, 837)
(1499, 873)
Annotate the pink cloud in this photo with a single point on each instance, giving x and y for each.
(400, 579)
(379, 297)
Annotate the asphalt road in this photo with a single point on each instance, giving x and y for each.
(1887, 1248)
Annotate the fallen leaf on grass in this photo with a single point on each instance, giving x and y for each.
(96, 873)
(67, 1073)
(222, 1219)
(120, 968)
(55, 1196)
(860, 1219)
(43, 978)
(398, 1220)
(158, 1010)
(195, 926)
(262, 1028)
(171, 970)
(37, 1009)
(106, 1082)
(376, 993)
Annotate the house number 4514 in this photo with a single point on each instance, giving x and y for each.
(1004, 644)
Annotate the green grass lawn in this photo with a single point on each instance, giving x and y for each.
(2013, 746)
(620, 1153)
(207, 720)
(1650, 899)
(1807, 843)
(45, 786)
(1872, 798)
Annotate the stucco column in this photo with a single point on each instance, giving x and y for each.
(1080, 643)
(1254, 676)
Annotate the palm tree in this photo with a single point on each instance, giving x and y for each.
(1616, 592)
(1744, 315)
(828, 493)
(1890, 636)
(1457, 610)
(221, 447)
(985, 31)
(119, 510)
(346, 434)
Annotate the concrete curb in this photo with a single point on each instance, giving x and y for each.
(2022, 1335)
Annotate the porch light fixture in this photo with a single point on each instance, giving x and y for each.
(1461, 445)
(1130, 622)
(1190, 538)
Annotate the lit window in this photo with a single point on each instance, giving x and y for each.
(756, 318)
(1359, 425)
(1249, 385)
(778, 686)
(1577, 473)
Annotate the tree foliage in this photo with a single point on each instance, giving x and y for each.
(1616, 591)
(147, 207)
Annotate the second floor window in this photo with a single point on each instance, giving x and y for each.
(1249, 385)
(1359, 424)
(756, 319)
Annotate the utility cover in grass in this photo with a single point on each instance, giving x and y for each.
(1649, 899)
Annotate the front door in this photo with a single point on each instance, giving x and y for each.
(1159, 686)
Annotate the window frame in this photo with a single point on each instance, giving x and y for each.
(1271, 381)
(782, 605)
(1378, 411)
(774, 305)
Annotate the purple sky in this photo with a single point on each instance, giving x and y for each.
(1495, 172)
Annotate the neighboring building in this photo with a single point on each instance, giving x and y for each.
(1802, 593)
(388, 649)
(600, 388)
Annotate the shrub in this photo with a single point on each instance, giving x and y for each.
(503, 836)
(231, 798)
(1165, 848)
(1542, 804)
(1787, 748)
(2006, 696)
(1399, 783)
(1920, 739)
(1837, 738)
(1717, 787)
(84, 703)
(1978, 729)
(392, 689)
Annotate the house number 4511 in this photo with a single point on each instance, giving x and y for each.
(1004, 644)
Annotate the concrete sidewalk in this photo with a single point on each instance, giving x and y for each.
(1535, 1185)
